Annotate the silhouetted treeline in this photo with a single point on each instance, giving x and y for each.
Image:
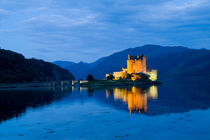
(14, 68)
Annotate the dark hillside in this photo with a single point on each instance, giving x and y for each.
(14, 68)
(188, 65)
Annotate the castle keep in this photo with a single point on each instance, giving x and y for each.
(135, 66)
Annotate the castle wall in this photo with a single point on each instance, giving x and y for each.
(117, 75)
(138, 66)
(144, 65)
(153, 74)
(130, 66)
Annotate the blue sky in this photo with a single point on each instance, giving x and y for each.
(85, 30)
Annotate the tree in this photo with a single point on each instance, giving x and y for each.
(128, 76)
(90, 77)
(110, 77)
(144, 76)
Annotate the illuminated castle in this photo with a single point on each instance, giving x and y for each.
(135, 65)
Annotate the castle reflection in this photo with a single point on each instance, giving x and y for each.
(135, 97)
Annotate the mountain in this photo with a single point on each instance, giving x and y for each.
(14, 68)
(116, 61)
(172, 63)
(64, 64)
(78, 69)
(190, 65)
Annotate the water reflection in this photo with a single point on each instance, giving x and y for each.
(150, 100)
(164, 99)
(14, 102)
(135, 97)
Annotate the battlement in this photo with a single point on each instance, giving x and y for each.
(136, 57)
(136, 64)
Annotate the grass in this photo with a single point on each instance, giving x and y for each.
(117, 83)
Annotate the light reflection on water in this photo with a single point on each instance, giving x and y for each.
(135, 97)
(147, 112)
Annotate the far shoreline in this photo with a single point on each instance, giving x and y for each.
(96, 83)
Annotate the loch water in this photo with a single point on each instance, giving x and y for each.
(168, 111)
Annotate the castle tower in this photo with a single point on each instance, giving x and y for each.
(136, 64)
(130, 65)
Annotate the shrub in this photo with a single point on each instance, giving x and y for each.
(90, 77)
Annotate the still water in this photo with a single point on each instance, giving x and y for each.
(175, 111)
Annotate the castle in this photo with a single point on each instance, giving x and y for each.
(135, 66)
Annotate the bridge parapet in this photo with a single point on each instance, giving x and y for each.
(82, 81)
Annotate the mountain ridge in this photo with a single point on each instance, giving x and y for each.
(172, 62)
(15, 68)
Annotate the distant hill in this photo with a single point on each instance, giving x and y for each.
(172, 63)
(64, 64)
(14, 68)
(78, 69)
(188, 65)
(116, 61)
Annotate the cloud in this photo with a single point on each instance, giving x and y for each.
(91, 29)
(64, 18)
(170, 10)
(185, 5)
(3, 13)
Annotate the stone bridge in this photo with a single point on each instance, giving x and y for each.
(78, 82)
